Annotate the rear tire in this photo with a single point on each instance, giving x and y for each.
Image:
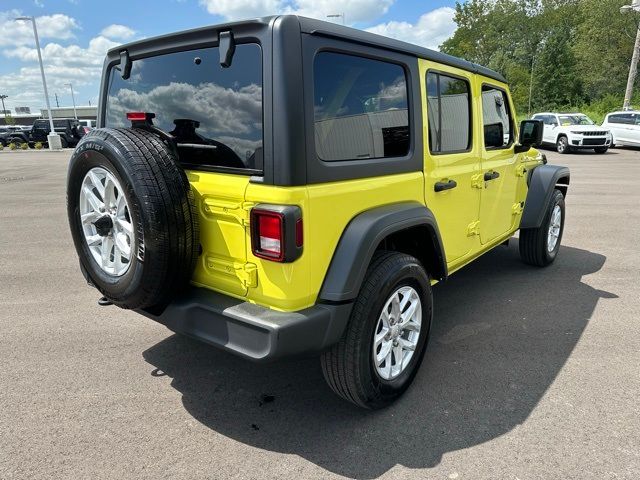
(351, 367)
(63, 142)
(162, 243)
(537, 245)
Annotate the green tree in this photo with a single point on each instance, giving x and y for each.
(557, 83)
(603, 47)
(569, 51)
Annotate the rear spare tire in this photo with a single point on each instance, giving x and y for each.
(132, 217)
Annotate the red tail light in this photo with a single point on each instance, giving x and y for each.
(270, 235)
(276, 232)
(136, 116)
(146, 117)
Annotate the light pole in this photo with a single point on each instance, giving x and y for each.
(337, 15)
(4, 110)
(533, 62)
(73, 98)
(53, 138)
(633, 68)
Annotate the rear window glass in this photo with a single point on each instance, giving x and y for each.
(215, 113)
(360, 108)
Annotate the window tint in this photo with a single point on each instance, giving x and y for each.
(215, 113)
(623, 118)
(449, 113)
(496, 115)
(360, 108)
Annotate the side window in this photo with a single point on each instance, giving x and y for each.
(497, 120)
(449, 113)
(553, 120)
(360, 108)
(621, 118)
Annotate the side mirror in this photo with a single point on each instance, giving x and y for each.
(530, 135)
(494, 135)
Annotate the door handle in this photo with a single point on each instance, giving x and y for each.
(441, 186)
(490, 176)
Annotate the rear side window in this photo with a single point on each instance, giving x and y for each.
(360, 108)
(449, 113)
(215, 113)
(496, 116)
(622, 118)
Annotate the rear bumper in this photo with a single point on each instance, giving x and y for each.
(253, 331)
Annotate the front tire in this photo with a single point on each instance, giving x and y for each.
(540, 246)
(382, 347)
(562, 145)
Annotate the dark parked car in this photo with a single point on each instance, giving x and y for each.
(69, 129)
(7, 132)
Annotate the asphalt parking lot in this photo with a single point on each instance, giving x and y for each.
(530, 374)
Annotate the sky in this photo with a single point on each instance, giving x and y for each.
(76, 34)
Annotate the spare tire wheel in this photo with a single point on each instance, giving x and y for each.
(132, 217)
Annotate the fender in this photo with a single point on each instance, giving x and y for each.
(19, 135)
(362, 236)
(542, 182)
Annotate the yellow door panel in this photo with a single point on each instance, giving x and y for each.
(500, 165)
(456, 210)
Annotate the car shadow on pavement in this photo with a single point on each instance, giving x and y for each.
(502, 332)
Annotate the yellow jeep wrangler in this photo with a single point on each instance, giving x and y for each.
(284, 185)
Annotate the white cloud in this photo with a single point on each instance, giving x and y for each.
(63, 63)
(226, 114)
(236, 9)
(353, 10)
(119, 32)
(71, 55)
(221, 110)
(430, 30)
(58, 26)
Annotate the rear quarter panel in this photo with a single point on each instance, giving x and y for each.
(327, 209)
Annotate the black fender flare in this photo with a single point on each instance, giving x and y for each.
(19, 136)
(542, 182)
(360, 240)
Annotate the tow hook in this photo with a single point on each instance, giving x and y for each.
(104, 302)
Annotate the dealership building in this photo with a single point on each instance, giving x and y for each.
(23, 116)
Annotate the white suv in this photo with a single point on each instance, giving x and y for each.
(624, 127)
(572, 131)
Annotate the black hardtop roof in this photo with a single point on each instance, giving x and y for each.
(329, 29)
